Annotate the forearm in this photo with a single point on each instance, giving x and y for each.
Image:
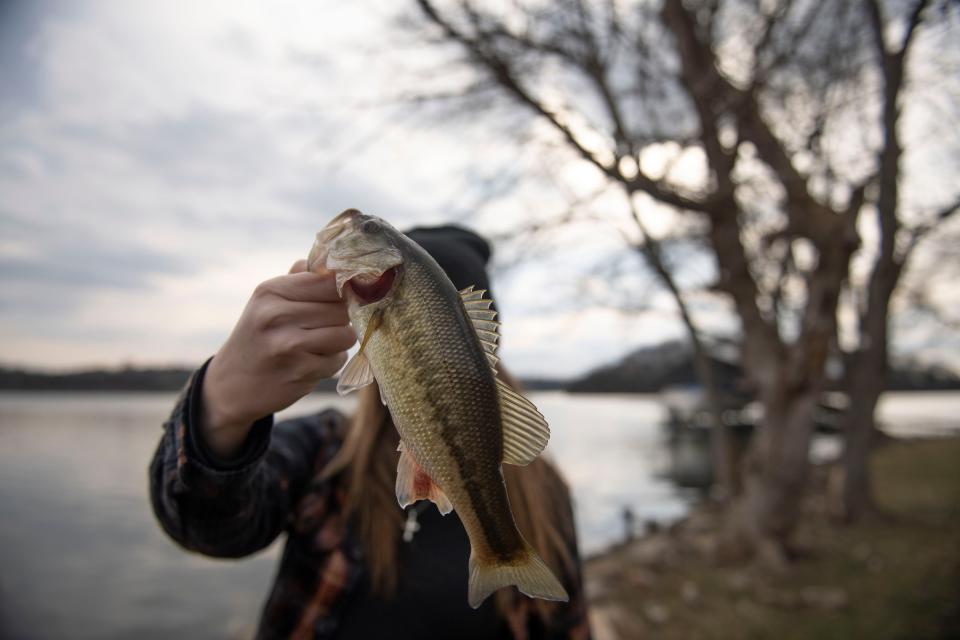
(216, 508)
(234, 508)
(223, 480)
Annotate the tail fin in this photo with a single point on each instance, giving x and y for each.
(532, 577)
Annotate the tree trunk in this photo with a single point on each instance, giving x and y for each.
(788, 379)
(866, 385)
(774, 477)
(866, 380)
(727, 480)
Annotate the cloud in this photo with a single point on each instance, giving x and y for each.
(154, 168)
(92, 266)
(156, 164)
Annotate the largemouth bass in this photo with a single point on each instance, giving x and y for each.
(432, 351)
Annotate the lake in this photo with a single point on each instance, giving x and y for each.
(82, 556)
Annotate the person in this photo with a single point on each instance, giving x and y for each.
(226, 481)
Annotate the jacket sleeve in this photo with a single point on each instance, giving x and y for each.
(234, 509)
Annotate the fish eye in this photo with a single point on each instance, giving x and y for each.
(370, 226)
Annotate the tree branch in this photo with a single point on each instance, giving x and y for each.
(704, 85)
(887, 269)
(505, 77)
(711, 94)
(918, 233)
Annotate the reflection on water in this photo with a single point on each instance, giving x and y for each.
(612, 452)
(82, 556)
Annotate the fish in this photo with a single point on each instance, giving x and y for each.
(431, 349)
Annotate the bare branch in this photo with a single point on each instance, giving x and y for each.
(921, 231)
(887, 269)
(893, 62)
(504, 76)
(711, 92)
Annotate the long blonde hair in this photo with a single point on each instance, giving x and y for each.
(367, 462)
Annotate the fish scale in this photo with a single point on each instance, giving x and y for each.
(442, 431)
(433, 362)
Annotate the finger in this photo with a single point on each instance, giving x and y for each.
(304, 286)
(299, 266)
(324, 366)
(327, 340)
(306, 315)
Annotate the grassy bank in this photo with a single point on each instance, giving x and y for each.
(885, 578)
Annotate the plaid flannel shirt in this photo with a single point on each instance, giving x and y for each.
(233, 510)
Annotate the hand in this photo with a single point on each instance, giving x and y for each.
(293, 332)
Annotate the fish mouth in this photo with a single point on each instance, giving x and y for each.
(370, 288)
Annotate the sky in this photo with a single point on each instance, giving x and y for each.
(158, 160)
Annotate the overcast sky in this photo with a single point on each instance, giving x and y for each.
(158, 160)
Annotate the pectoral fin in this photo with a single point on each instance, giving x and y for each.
(414, 484)
(525, 431)
(356, 374)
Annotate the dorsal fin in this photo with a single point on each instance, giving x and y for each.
(482, 317)
(525, 431)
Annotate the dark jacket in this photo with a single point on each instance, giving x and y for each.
(320, 590)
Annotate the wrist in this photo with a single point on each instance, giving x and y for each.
(224, 424)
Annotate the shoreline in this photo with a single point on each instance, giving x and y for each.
(673, 583)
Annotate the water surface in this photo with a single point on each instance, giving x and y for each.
(82, 556)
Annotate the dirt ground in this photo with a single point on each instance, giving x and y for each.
(895, 576)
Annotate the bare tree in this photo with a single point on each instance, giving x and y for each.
(588, 59)
(756, 96)
(900, 229)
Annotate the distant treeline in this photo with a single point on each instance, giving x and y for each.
(646, 370)
(134, 379)
(127, 379)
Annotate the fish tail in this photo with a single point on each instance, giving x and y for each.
(531, 576)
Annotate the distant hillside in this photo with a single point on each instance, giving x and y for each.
(135, 379)
(650, 369)
(543, 384)
(909, 375)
